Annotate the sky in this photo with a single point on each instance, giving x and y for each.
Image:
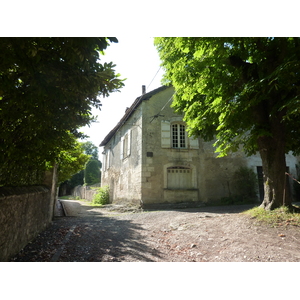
(139, 63)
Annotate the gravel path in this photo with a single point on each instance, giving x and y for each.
(112, 234)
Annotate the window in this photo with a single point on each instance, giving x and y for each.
(106, 159)
(179, 178)
(125, 145)
(174, 135)
(178, 136)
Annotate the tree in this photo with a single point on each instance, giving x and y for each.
(76, 179)
(71, 161)
(48, 87)
(241, 91)
(92, 173)
(91, 149)
(75, 164)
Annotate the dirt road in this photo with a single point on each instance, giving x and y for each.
(213, 234)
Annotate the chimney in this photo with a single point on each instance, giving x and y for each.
(143, 89)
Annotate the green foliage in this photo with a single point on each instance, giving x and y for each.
(91, 149)
(244, 187)
(245, 184)
(76, 179)
(48, 87)
(92, 174)
(102, 197)
(88, 150)
(241, 91)
(71, 161)
(236, 89)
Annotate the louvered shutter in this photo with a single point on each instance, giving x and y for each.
(108, 159)
(128, 142)
(121, 148)
(194, 143)
(165, 134)
(104, 162)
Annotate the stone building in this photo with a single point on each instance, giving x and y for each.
(148, 158)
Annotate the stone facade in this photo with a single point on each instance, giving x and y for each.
(149, 158)
(122, 161)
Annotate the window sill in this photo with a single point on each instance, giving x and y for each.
(179, 149)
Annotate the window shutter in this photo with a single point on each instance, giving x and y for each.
(104, 162)
(194, 143)
(129, 142)
(121, 148)
(108, 159)
(165, 134)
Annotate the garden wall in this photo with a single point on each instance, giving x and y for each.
(24, 213)
(85, 192)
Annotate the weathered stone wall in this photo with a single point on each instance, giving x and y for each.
(158, 155)
(24, 212)
(85, 192)
(122, 173)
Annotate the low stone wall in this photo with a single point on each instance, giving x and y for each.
(85, 192)
(24, 213)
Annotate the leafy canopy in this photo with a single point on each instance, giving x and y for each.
(91, 149)
(48, 87)
(92, 174)
(71, 161)
(235, 89)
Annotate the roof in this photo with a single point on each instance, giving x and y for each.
(130, 111)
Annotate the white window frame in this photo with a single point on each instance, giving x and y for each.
(178, 135)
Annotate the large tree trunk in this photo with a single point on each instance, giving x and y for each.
(272, 152)
(276, 191)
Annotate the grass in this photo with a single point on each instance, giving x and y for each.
(278, 217)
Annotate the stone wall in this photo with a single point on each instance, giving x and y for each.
(121, 169)
(85, 192)
(24, 213)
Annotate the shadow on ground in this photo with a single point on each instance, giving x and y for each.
(107, 239)
(88, 239)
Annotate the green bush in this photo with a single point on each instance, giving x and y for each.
(245, 184)
(244, 187)
(102, 197)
